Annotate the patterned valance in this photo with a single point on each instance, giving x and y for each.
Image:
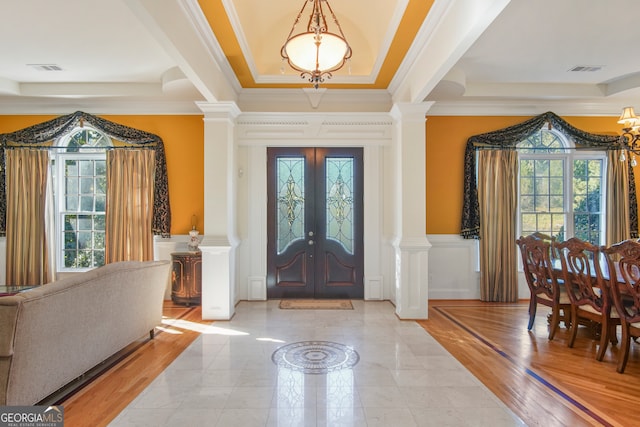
(507, 139)
(53, 129)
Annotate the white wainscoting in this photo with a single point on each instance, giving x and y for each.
(454, 271)
(453, 267)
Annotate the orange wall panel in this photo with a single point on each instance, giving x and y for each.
(183, 138)
(445, 143)
(446, 138)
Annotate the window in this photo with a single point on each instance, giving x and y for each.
(561, 191)
(80, 176)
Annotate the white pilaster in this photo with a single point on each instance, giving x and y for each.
(374, 288)
(218, 249)
(218, 291)
(410, 241)
(257, 226)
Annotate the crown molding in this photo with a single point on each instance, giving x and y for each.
(289, 129)
(288, 107)
(299, 100)
(61, 106)
(526, 108)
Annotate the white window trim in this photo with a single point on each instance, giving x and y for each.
(59, 155)
(568, 156)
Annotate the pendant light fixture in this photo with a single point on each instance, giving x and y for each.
(315, 51)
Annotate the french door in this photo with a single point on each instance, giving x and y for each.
(315, 223)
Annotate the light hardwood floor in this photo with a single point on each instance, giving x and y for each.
(99, 402)
(545, 383)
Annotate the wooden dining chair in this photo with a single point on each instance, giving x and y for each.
(624, 259)
(550, 239)
(543, 283)
(588, 291)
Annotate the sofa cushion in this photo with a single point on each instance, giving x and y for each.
(65, 328)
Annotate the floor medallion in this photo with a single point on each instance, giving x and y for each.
(315, 357)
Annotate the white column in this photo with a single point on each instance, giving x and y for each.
(218, 289)
(410, 241)
(220, 242)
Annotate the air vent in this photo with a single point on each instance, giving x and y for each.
(586, 68)
(45, 67)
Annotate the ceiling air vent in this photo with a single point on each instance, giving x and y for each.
(586, 68)
(45, 67)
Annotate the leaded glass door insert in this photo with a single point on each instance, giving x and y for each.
(315, 227)
(290, 201)
(339, 187)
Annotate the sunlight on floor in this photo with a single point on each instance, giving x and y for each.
(270, 340)
(200, 328)
(273, 367)
(168, 330)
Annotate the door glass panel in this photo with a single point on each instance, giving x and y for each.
(290, 196)
(339, 200)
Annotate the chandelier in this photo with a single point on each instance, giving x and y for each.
(316, 52)
(630, 138)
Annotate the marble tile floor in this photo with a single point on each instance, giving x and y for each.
(403, 377)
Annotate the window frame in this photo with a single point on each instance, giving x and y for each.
(569, 155)
(58, 160)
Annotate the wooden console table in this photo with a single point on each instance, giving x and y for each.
(186, 278)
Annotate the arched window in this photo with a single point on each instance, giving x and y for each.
(80, 177)
(561, 190)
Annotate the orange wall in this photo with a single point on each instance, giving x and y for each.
(446, 140)
(183, 138)
(446, 137)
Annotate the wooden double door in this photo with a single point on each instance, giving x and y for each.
(315, 223)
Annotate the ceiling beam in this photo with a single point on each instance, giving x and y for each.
(450, 29)
(178, 26)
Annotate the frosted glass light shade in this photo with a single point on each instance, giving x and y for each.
(302, 50)
(316, 51)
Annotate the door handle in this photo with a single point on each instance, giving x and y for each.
(311, 242)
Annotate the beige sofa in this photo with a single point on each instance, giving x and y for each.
(53, 334)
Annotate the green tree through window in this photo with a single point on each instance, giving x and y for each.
(561, 190)
(81, 188)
